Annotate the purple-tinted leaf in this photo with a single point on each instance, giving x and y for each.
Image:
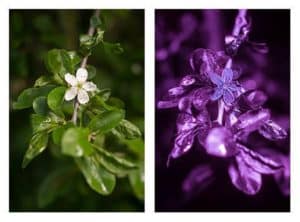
(232, 117)
(282, 177)
(228, 96)
(244, 178)
(216, 79)
(255, 99)
(183, 143)
(218, 93)
(198, 179)
(227, 75)
(176, 91)
(272, 131)
(167, 104)
(185, 104)
(219, 142)
(200, 97)
(204, 61)
(252, 120)
(203, 124)
(188, 80)
(258, 162)
(185, 122)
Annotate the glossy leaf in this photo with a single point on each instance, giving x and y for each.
(105, 94)
(55, 100)
(37, 145)
(27, 97)
(75, 142)
(258, 162)
(136, 179)
(59, 62)
(95, 175)
(272, 131)
(74, 60)
(45, 123)
(115, 48)
(58, 133)
(87, 42)
(128, 130)
(42, 81)
(113, 163)
(40, 105)
(106, 121)
(244, 178)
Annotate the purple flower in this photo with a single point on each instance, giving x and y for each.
(225, 86)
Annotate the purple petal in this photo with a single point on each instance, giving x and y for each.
(272, 131)
(258, 162)
(218, 93)
(200, 97)
(188, 80)
(216, 79)
(244, 178)
(227, 75)
(185, 122)
(219, 142)
(198, 179)
(185, 104)
(228, 96)
(252, 120)
(176, 91)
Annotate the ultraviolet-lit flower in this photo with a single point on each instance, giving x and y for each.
(225, 86)
(79, 86)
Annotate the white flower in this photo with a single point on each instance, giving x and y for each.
(79, 86)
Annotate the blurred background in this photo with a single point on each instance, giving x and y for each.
(32, 34)
(177, 34)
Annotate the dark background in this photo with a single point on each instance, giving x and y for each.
(199, 29)
(32, 34)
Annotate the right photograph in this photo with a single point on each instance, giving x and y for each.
(222, 121)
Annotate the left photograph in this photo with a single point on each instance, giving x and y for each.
(76, 110)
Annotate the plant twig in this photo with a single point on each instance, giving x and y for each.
(240, 21)
(91, 32)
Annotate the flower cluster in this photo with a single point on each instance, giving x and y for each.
(214, 84)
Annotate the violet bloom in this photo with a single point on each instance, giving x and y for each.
(225, 86)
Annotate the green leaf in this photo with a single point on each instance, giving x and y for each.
(136, 146)
(40, 105)
(68, 107)
(26, 98)
(59, 131)
(95, 175)
(45, 123)
(106, 121)
(75, 60)
(128, 130)
(115, 48)
(55, 100)
(42, 81)
(38, 144)
(91, 71)
(87, 42)
(114, 163)
(56, 184)
(75, 142)
(104, 94)
(116, 102)
(59, 62)
(97, 21)
(136, 179)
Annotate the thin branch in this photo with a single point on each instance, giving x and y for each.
(91, 32)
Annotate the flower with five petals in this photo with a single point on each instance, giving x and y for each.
(79, 86)
(225, 86)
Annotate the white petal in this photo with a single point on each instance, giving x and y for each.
(81, 75)
(71, 93)
(83, 96)
(89, 86)
(71, 79)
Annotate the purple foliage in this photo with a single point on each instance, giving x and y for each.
(214, 82)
